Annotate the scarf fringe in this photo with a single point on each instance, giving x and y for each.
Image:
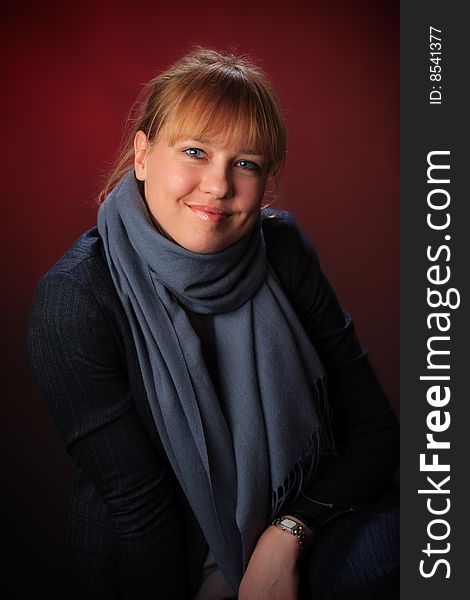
(320, 443)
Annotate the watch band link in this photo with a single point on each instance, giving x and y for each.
(292, 527)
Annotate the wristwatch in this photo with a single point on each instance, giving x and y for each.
(288, 524)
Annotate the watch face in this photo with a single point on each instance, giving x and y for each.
(288, 523)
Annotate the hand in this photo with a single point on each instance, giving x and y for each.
(273, 571)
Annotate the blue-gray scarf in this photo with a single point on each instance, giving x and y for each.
(240, 451)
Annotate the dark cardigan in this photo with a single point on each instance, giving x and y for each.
(129, 526)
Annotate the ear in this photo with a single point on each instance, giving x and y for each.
(141, 149)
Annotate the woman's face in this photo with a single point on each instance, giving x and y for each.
(203, 194)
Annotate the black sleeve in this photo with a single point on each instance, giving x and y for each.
(364, 424)
(78, 367)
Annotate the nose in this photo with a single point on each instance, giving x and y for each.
(217, 181)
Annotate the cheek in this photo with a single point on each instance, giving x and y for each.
(182, 181)
(252, 192)
(177, 182)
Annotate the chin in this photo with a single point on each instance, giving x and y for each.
(213, 247)
(201, 246)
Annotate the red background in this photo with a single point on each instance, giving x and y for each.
(70, 75)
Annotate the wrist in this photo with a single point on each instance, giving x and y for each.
(285, 546)
(293, 528)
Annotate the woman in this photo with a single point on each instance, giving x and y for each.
(228, 433)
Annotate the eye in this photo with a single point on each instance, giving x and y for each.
(194, 152)
(249, 165)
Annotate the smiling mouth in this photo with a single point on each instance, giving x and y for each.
(207, 213)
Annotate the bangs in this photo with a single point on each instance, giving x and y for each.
(232, 116)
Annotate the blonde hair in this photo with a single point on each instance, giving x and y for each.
(205, 94)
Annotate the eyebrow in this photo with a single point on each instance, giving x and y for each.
(250, 151)
(242, 151)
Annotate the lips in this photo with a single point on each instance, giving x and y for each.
(209, 213)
